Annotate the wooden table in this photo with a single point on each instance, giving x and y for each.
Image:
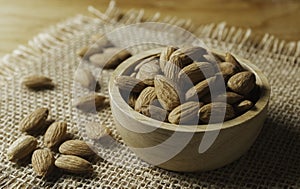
(20, 20)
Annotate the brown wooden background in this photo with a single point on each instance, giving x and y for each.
(20, 20)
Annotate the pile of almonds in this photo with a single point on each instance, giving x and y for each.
(188, 85)
(72, 153)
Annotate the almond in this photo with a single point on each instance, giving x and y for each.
(21, 148)
(130, 84)
(97, 131)
(149, 82)
(184, 56)
(203, 88)
(165, 56)
(221, 112)
(90, 102)
(228, 97)
(197, 72)
(73, 164)
(38, 82)
(243, 106)
(55, 134)
(75, 147)
(167, 92)
(146, 97)
(117, 59)
(85, 78)
(242, 82)
(154, 112)
(132, 99)
(230, 58)
(186, 113)
(81, 52)
(148, 70)
(110, 59)
(232, 98)
(179, 59)
(254, 94)
(101, 40)
(215, 56)
(100, 59)
(34, 121)
(152, 59)
(87, 51)
(171, 71)
(42, 162)
(228, 69)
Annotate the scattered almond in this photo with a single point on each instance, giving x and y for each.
(117, 59)
(85, 78)
(97, 131)
(130, 84)
(87, 51)
(55, 134)
(75, 147)
(34, 121)
(38, 82)
(21, 148)
(42, 162)
(73, 164)
(101, 40)
(110, 59)
(90, 102)
(81, 52)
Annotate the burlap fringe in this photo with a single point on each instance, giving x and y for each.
(58, 34)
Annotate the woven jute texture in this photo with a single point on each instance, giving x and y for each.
(272, 162)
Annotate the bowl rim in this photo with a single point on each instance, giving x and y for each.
(260, 105)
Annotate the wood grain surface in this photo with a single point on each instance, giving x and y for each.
(20, 20)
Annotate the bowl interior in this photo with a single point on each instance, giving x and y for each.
(127, 67)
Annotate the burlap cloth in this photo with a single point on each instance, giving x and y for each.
(272, 162)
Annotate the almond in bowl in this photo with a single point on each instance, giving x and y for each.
(200, 111)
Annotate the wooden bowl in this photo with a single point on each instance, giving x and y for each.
(176, 147)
